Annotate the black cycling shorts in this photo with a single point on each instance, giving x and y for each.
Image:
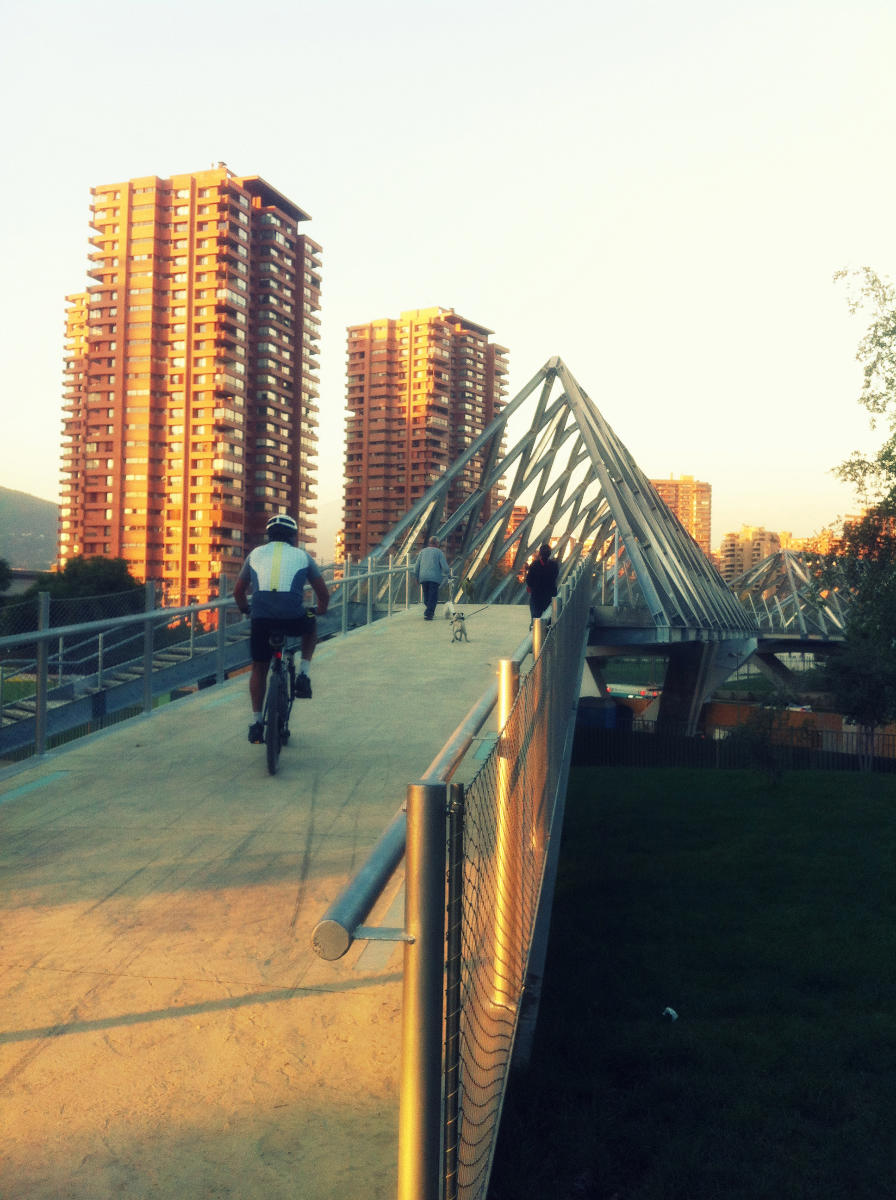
(261, 628)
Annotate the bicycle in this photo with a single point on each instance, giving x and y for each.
(279, 698)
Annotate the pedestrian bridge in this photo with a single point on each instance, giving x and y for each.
(550, 468)
(167, 1029)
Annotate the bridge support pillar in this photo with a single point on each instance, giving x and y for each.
(772, 667)
(694, 671)
(596, 667)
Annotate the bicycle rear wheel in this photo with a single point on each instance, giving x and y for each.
(272, 719)
(285, 707)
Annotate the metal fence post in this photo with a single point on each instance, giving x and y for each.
(507, 849)
(420, 1105)
(537, 636)
(41, 682)
(148, 639)
(222, 631)
(453, 985)
(346, 569)
(389, 610)
(369, 592)
(539, 832)
(101, 645)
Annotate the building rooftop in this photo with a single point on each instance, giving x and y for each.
(272, 198)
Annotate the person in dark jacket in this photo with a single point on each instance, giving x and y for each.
(541, 581)
(430, 570)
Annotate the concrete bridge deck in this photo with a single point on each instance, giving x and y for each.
(166, 1030)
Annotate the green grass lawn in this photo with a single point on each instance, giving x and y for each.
(18, 689)
(766, 917)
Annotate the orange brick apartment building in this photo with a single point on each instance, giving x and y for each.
(420, 390)
(691, 501)
(190, 410)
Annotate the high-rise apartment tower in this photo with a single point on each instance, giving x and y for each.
(190, 411)
(420, 390)
(741, 551)
(691, 501)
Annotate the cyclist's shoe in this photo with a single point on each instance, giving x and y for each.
(302, 688)
(256, 733)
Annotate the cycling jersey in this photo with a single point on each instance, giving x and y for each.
(277, 574)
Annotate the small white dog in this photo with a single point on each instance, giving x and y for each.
(458, 625)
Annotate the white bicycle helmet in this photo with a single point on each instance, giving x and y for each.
(282, 527)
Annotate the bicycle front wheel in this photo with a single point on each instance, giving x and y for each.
(272, 719)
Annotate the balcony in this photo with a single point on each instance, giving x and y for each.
(229, 384)
(226, 419)
(104, 270)
(224, 468)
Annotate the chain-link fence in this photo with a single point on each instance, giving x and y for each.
(508, 824)
(75, 610)
(740, 747)
(19, 663)
(98, 654)
(23, 616)
(19, 617)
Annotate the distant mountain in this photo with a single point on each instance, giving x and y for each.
(28, 528)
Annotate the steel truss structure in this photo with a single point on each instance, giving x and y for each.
(788, 595)
(552, 470)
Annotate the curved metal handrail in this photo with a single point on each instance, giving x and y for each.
(341, 923)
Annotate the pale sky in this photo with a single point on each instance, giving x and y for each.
(658, 192)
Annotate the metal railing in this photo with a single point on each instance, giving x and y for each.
(503, 831)
(503, 867)
(517, 796)
(737, 747)
(369, 590)
(78, 656)
(93, 669)
(341, 924)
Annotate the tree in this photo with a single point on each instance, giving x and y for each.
(861, 675)
(81, 577)
(874, 478)
(89, 589)
(5, 575)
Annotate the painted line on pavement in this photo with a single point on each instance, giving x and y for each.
(25, 788)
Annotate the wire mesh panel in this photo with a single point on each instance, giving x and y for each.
(509, 809)
(72, 610)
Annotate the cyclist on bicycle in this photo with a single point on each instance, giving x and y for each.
(276, 574)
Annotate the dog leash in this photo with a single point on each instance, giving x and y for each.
(475, 611)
